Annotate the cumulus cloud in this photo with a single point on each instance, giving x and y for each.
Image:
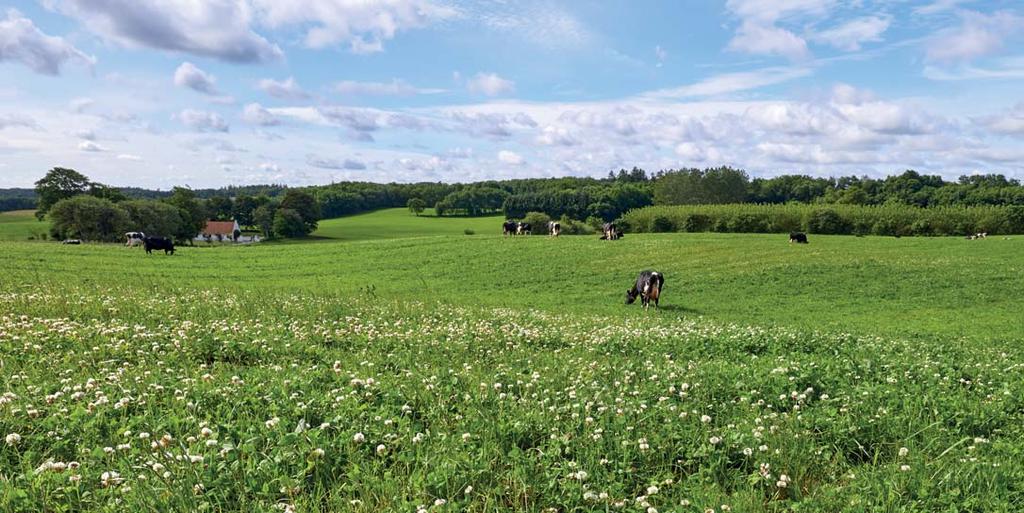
(21, 41)
(90, 146)
(190, 76)
(129, 157)
(80, 105)
(202, 121)
(17, 120)
(256, 114)
(759, 39)
(328, 163)
(490, 84)
(288, 89)
(556, 136)
(363, 25)
(852, 34)
(977, 36)
(1009, 122)
(511, 158)
(213, 28)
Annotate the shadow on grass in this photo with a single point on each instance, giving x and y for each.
(680, 309)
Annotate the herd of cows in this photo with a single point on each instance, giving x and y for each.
(511, 228)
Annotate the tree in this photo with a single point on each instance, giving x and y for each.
(416, 205)
(88, 218)
(303, 204)
(154, 218)
(220, 208)
(194, 213)
(58, 184)
(106, 192)
(243, 208)
(289, 223)
(263, 219)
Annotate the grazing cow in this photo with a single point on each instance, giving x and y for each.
(798, 237)
(524, 229)
(134, 239)
(610, 232)
(648, 287)
(73, 242)
(508, 228)
(554, 228)
(158, 243)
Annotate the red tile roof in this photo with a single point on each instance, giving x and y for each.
(219, 228)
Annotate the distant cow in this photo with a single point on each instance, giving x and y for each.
(508, 228)
(648, 287)
(610, 232)
(134, 239)
(158, 243)
(979, 235)
(554, 228)
(524, 229)
(73, 242)
(798, 237)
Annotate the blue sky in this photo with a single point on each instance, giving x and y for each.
(162, 93)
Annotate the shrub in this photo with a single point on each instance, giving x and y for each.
(663, 223)
(748, 223)
(696, 222)
(827, 221)
(538, 222)
(468, 231)
(88, 218)
(288, 223)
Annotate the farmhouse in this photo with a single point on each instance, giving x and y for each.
(220, 231)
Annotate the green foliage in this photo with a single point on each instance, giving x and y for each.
(263, 219)
(289, 223)
(244, 208)
(892, 219)
(154, 218)
(59, 184)
(416, 205)
(88, 218)
(538, 222)
(701, 187)
(194, 213)
(305, 205)
(220, 208)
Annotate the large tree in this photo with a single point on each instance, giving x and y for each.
(194, 213)
(305, 205)
(58, 184)
(88, 218)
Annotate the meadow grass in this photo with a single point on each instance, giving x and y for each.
(21, 225)
(395, 223)
(476, 373)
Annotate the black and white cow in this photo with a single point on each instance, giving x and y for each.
(524, 229)
(158, 243)
(134, 239)
(798, 237)
(648, 287)
(508, 228)
(554, 228)
(71, 242)
(610, 232)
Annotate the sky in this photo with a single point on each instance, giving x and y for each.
(159, 93)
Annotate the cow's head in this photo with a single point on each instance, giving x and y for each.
(631, 296)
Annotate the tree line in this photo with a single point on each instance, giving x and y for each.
(80, 208)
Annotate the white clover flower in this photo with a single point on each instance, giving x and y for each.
(904, 468)
(651, 490)
(206, 432)
(13, 439)
(358, 438)
(705, 418)
(381, 449)
(715, 440)
(904, 451)
(468, 490)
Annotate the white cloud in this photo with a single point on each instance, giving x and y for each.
(850, 35)
(211, 28)
(202, 121)
(129, 157)
(255, 114)
(288, 89)
(539, 23)
(660, 54)
(977, 36)
(21, 41)
(363, 25)
(329, 163)
(17, 120)
(80, 105)
(733, 82)
(190, 76)
(939, 6)
(556, 136)
(394, 88)
(511, 158)
(760, 39)
(490, 84)
(1009, 122)
(770, 11)
(90, 146)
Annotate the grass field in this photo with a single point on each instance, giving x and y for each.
(474, 373)
(395, 223)
(20, 225)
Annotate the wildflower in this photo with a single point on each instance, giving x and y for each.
(13, 439)
(783, 481)
(466, 437)
(440, 502)
(381, 449)
(904, 468)
(272, 422)
(318, 452)
(747, 451)
(705, 418)
(903, 451)
(715, 440)
(358, 438)
(206, 432)
(468, 490)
